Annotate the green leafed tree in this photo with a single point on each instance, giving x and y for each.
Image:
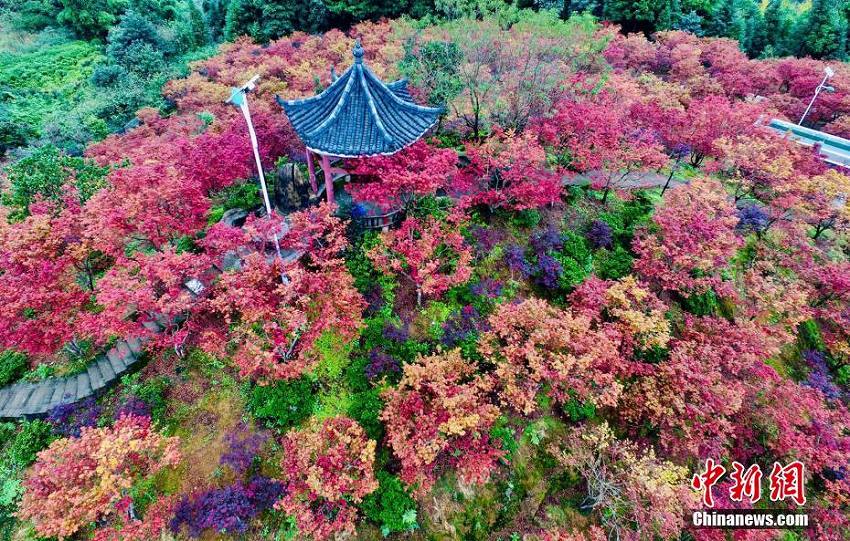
(215, 12)
(823, 31)
(197, 25)
(641, 15)
(44, 173)
(259, 19)
(35, 15)
(91, 18)
(778, 25)
(433, 66)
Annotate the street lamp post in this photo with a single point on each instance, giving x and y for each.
(828, 73)
(239, 98)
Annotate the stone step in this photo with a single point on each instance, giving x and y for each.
(16, 405)
(5, 396)
(135, 345)
(84, 389)
(124, 350)
(115, 361)
(106, 369)
(39, 401)
(95, 377)
(58, 394)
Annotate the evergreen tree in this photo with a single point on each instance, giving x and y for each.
(200, 34)
(722, 20)
(134, 28)
(823, 32)
(90, 18)
(594, 7)
(215, 12)
(35, 15)
(778, 24)
(754, 38)
(640, 15)
(315, 18)
(263, 20)
(690, 22)
(671, 12)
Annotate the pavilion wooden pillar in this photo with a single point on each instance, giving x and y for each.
(311, 168)
(329, 180)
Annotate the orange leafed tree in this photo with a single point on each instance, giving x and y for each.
(77, 481)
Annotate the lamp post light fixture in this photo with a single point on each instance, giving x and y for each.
(828, 73)
(239, 98)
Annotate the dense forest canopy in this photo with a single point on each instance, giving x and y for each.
(604, 270)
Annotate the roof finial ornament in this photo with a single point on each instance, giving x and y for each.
(357, 52)
(334, 76)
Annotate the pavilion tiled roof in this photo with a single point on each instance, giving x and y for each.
(360, 115)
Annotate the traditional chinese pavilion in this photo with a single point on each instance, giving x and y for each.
(358, 115)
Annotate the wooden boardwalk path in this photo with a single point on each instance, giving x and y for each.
(32, 400)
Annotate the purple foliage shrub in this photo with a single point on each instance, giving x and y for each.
(381, 363)
(516, 261)
(488, 288)
(819, 377)
(546, 240)
(69, 419)
(599, 234)
(226, 510)
(549, 271)
(461, 325)
(396, 333)
(243, 446)
(485, 239)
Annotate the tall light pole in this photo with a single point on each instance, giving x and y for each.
(828, 73)
(239, 98)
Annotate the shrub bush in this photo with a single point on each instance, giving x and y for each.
(334, 353)
(613, 264)
(226, 510)
(283, 404)
(809, 336)
(526, 219)
(13, 365)
(365, 408)
(32, 437)
(702, 304)
(572, 272)
(240, 195)
(390, 506)
(20, 448)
